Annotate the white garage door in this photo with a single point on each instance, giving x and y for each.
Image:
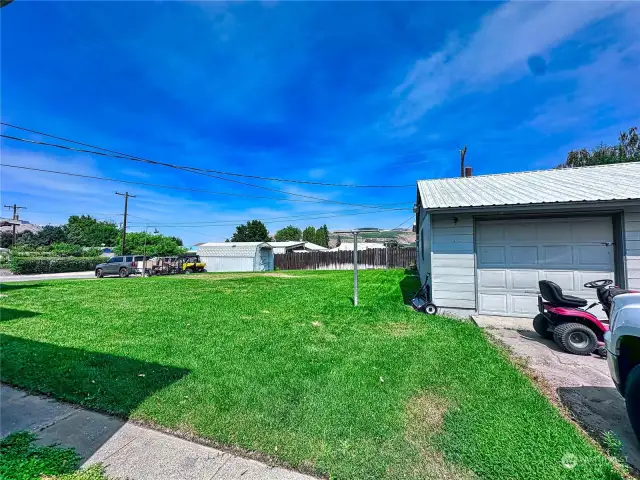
(513, 255)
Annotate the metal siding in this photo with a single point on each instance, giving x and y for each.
(228, 264)
(453, 261)
(632, 247)
(605, 183)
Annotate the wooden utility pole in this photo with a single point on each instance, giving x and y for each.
(463, 153)
(15, 209)
(126, 196)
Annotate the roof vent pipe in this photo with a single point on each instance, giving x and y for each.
(468, 172)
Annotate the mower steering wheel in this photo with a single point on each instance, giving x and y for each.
(598, 283)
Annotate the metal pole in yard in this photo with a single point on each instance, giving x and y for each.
(355, 268)
(355, 256)
(144, 252)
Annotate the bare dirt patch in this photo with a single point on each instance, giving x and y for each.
(424, 420)
(397, 329)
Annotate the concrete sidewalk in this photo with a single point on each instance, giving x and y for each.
(126, 450)
(46, 276)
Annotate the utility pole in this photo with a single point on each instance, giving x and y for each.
(15, 209)
(126, 196)
(463, 153)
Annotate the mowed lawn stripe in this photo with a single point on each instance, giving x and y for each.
(285, 366)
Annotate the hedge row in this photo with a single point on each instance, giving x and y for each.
(26, 265)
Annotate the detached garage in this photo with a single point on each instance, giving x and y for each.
(236, 256)
(486, 241)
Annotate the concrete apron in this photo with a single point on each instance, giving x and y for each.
(581, 383)
(126, 450)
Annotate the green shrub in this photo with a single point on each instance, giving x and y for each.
(67, 250)
(27, 265)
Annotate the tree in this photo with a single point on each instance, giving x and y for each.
(322, 236)
(253, 231)
(627, 150)
(309, 234)
(51, 234)
(88, 232)
(288, 233)
(152, 245)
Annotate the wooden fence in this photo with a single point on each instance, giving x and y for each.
(343, 260)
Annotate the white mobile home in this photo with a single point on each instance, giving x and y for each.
(236, 256)
(487, 240)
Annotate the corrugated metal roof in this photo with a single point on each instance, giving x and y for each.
(286, 244)
(230, 249)
(586, 184)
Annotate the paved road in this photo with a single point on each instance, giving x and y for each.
(126, 450)
(46, 276)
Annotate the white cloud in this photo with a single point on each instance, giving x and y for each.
(500, 47)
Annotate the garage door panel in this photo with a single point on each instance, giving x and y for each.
(496, 303)
(557, 255)
(594, 255)
(554, 232)
(487, 234)
(492, 279)
(569, 252)
(524, 255)
(524, 305)
(597, 231)
(564, 278)
(524, 279)
(493, 255)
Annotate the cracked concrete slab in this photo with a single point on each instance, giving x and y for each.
(127, 451)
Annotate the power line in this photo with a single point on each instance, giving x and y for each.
(172, 187)
(198, 171)
(220, 172)
(287, 220)
(410, 218)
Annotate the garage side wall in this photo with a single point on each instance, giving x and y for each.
(453, 261)
(632, 246)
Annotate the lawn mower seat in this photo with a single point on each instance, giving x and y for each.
(552, 293)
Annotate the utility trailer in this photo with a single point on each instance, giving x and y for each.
(186, 263)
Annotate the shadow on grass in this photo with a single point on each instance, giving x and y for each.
(7, 314)
(7, 287)
(600, 410)
(409, 286)
(109, 383)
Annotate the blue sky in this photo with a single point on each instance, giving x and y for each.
(369, 93)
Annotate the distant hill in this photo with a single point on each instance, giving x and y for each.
(404, 237)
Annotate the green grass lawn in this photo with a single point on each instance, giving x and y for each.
(287, 367)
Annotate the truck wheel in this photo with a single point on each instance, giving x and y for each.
(188, 271)
(575, 338)
(632, 399)
(123, 273)
(541, 326)
(99, 273)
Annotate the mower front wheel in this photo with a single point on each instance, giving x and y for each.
(541, 326)
(575, 338)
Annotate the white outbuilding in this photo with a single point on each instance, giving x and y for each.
(236, 256)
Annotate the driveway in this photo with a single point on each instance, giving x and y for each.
(581, 384)
(46, 276)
